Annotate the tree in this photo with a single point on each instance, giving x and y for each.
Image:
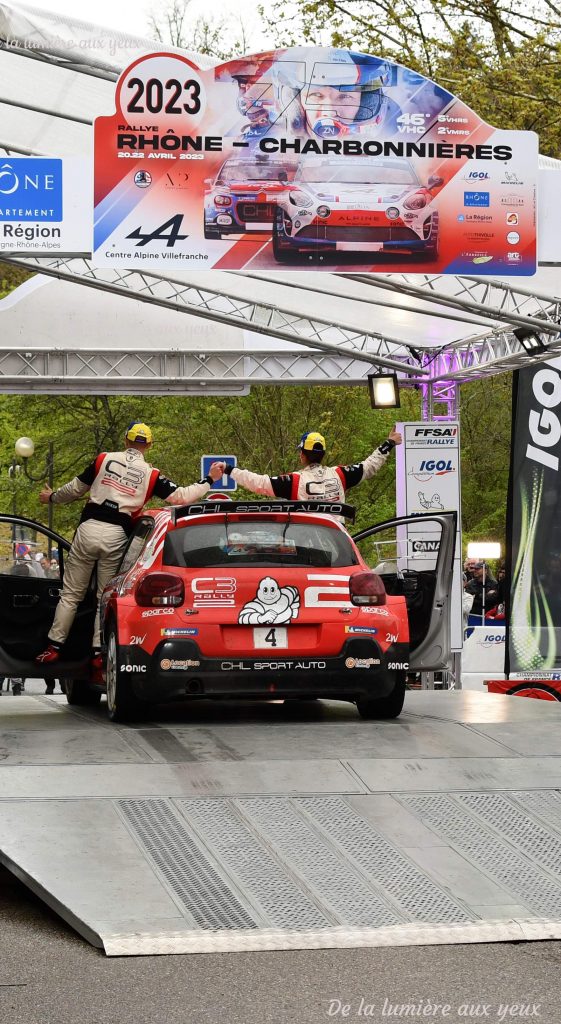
(220, 37)
(501, 57)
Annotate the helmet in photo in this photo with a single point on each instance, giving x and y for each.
(138, 433)
(304, 69)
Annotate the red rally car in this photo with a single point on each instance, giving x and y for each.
(263, 599)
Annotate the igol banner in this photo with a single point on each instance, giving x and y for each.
(534, 527)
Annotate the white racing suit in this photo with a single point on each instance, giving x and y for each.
(314, 482)
(120, 484)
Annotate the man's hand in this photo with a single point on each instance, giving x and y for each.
(395, 436)
(217, 470)
(45, 494)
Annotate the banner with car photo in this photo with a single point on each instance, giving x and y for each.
(534, 622)
(308, 158)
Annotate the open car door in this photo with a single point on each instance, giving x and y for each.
(29, 594)
(414, 555)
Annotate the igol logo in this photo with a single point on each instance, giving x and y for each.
(544, 426)
(433, 467)
(492, 639)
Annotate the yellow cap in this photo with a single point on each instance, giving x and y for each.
(312, 442)
(139, 432)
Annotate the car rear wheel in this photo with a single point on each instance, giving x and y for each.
(122, 704)
(384, 707)
(79, 693)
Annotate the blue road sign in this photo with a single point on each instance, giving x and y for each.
(224, 483)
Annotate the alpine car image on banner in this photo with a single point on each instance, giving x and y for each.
(314, 157)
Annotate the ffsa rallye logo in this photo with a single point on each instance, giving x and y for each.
(427, 437)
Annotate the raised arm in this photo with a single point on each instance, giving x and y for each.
(366, 469)
(174, 495)
(271, 486)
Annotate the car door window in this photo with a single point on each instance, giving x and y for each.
(414, 556)
(136, 544)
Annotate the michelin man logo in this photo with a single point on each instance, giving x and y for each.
(271, 604)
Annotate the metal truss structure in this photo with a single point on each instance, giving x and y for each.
(324, 351)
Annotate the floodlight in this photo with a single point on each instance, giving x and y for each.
(530, 340)
(484, 549)
(383, 389)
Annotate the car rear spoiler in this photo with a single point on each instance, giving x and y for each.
(225, 507)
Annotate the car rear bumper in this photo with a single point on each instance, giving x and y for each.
(178, 670)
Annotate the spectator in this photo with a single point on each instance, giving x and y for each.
(482, 581)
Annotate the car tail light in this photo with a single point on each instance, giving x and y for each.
(160, 588)
(223, 200)
(367, 588)
(415, 202)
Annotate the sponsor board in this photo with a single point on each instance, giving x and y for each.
(428, 480)
(45, 204)
(534, 540)
(194, 163)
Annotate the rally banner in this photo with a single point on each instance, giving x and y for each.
(311, 158)
(534, 524)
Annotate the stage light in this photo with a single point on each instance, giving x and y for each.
(383, 390)
(530, 340)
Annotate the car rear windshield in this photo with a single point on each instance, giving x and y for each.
(259, 544)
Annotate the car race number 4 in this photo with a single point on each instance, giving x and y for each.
(270, 636)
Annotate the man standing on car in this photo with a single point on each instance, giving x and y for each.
(120, 484)
(316, 482)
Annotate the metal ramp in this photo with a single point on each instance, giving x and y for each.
(224, 827)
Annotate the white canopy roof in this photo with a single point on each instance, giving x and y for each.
(283, 327)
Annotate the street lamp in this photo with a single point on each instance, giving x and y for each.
(25, 449)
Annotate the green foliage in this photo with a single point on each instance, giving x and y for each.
(485, 453)
(262, 429)
(501, 57)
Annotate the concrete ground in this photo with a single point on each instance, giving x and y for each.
(49, 975)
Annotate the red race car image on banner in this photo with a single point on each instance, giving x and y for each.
(314, 157)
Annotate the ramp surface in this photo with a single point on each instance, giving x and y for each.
(224, 827)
